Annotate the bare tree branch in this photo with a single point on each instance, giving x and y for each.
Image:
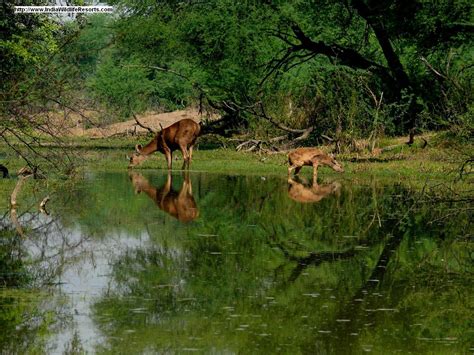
(141, 124)
(437, 73)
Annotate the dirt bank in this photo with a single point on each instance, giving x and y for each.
(130, 127)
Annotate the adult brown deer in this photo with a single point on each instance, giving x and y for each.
(311, 193)
(313, 157)
(180, 135)
(180, 205)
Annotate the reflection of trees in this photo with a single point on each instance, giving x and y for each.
(350, 316)
(264, 251)
(232, 257)
(315, 259)
(385, 292)
(21, 319)
(30, 261)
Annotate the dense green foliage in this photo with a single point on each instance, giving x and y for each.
(338, 65)
(348, 69)
(36, 81)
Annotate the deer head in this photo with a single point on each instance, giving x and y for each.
(330, 160)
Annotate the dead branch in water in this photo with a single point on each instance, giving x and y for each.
(16, 190)
(13, 203)
(42, 206)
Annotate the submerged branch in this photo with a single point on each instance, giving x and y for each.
(13, 203)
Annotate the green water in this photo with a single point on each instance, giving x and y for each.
(146, 263)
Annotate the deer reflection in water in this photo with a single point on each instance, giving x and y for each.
(180, 205)
(300, 191)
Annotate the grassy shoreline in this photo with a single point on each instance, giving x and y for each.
(438, 162)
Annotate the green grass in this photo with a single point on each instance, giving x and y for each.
(438, 162)
(404, 163)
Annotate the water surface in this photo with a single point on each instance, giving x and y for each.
(144, 262)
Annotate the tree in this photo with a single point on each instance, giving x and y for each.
(35, 84)
(384, 21)
(239, 56)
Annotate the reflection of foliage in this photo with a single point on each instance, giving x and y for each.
(23, 322)
(75, 346)
(20, 316)
(255, 258)
(28, 264)
(438, 282)
(12, 269)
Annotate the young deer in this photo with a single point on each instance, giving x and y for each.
(313, 157)
(181, 135)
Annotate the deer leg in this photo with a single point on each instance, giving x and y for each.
(165, 190)
(190, 154)
(296, 168)
(169, 158)
(289, 171)
(185, 156)
(187, 182)
(315, 173)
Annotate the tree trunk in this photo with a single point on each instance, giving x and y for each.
(401, 77)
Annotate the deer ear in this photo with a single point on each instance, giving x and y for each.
(138, 148)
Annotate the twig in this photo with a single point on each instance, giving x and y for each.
(424, 60)
(264, 115)
(437, 73)
(327, 138)
(462, 170)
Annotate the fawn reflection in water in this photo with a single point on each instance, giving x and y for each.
(300, 191)
(179, 204)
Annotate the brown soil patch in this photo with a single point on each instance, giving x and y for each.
(130, 127)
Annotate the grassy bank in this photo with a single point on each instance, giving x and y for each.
(438, 162)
